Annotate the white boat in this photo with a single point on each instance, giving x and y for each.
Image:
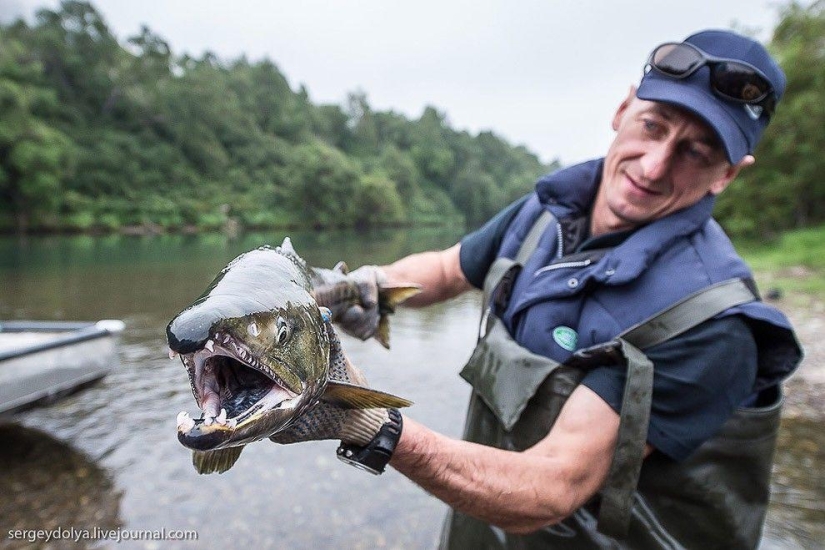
(41, 361)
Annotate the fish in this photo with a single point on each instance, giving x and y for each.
(337, 291)
(257, 348)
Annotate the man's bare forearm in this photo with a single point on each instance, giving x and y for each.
(517, 491)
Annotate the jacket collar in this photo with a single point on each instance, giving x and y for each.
(571, 192)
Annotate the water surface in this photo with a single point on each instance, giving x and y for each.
(108, 457)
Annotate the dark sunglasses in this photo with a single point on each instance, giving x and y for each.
(730, 79)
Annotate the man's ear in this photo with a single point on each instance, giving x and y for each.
(617, 118)
(730, 174)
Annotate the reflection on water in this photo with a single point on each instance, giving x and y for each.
(136, 475)
(47, 484)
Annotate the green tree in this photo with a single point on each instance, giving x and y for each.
(34, 156)
(378, 203)
(786, 187)
(97, 135)
(322, 185)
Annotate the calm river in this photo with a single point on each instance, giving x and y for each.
(109, 458)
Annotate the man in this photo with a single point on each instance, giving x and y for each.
(626, 385)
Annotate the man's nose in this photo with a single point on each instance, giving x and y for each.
(657, 160)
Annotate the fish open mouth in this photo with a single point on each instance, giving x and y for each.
(230, 385)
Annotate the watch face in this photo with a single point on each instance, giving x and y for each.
(375, 456)
(353, 462)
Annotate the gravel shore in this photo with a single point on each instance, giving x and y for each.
(805, 389)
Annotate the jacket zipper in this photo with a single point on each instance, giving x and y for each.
(560, 239)
(563, 265)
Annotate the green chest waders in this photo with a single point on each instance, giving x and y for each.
(715, 499)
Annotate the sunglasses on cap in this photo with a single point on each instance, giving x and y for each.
(729, 78)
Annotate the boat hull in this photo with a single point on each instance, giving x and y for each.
(43, 361)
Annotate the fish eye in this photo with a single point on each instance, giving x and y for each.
(284, 331)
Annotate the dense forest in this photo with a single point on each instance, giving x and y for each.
(99, 135)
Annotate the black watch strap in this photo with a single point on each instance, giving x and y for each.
(374, 456)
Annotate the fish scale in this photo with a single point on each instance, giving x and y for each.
(324, 421)
(337, 361)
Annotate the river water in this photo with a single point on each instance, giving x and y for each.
(108, 457)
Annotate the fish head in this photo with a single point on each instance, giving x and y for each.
(252, 373)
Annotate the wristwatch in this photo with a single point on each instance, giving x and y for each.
(374, 456)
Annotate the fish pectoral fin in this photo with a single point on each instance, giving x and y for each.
(351, 396)
(390, 295)
(215, 462)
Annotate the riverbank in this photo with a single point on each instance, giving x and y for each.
(805, 389)
(790, 272)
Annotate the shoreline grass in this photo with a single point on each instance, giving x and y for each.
(795, 261)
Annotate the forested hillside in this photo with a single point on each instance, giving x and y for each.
(99, 133)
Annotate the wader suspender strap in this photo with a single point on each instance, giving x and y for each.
(502, 266)
(634, 418)
(690, 312)
(617, 492)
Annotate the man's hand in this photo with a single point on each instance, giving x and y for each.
(362, 318)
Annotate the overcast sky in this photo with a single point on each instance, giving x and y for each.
(545, 74)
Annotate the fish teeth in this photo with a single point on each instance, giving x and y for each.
(172, 353)
(209, 420)
(185, 422)
(221, 418)
(210, 345)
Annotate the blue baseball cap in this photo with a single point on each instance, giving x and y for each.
(738, 126)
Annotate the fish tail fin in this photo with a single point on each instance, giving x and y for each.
(389, 296)
(382, 333)
(351, 396)
(219, 461)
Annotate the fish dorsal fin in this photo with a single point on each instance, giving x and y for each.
(341, 267)
(351, 396)
(215, 462)
(287, 247)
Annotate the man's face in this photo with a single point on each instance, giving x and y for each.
(663, 159)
